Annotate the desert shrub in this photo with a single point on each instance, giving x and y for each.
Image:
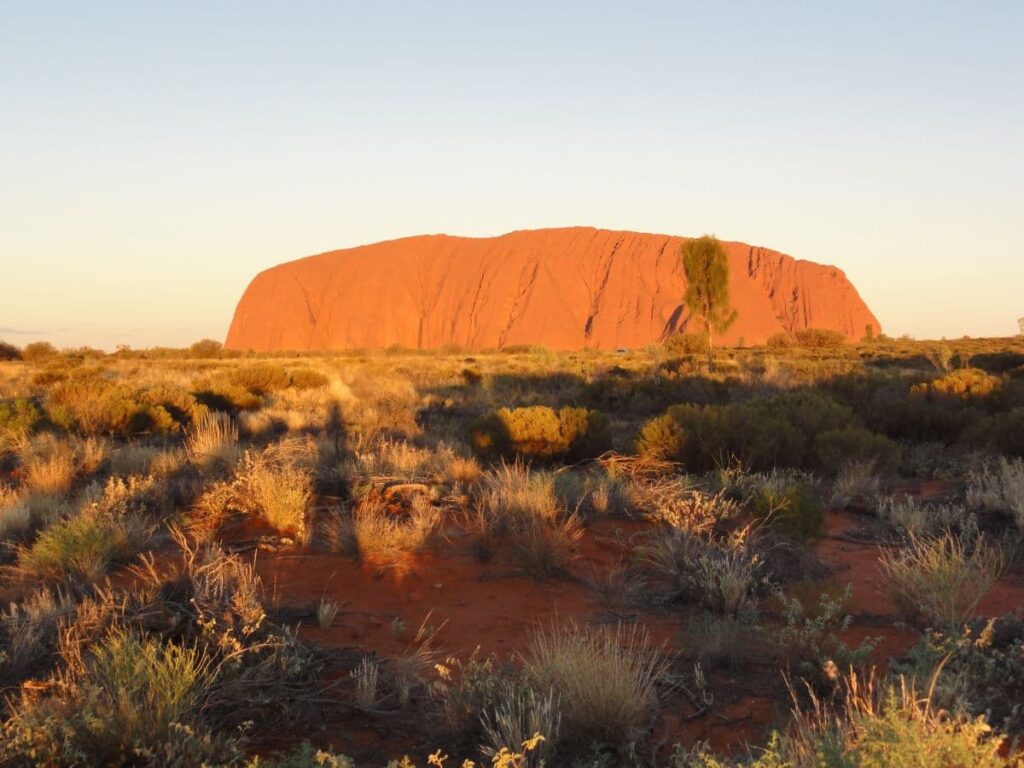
(661, 437)
(980, 670)
(761, 434)
(855, 480)
(964, 384)
(812, 641)
(852, 443)
(212, 442)
(819, 338)
(258, 378)
(372, 529)
(38, 352)
(15, 513)
(83, 547)
(999, 487)
(9, 352)
(868, 725)
(51, 474)
(723, 641)
(916, 519)
(786, 501)
(687, 343)
(605, 680)
(942, 579)
(123, 703)
(781, 340)
(279, 490)
(19, 416)
(307, 378)
(93, 406)
(1003, 431)
(540, 432)
(30, 631)
(721, 576)
(520, 511)
(206, 348)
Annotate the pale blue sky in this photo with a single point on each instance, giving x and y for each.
(153, 159)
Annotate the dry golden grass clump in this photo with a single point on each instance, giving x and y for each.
(942, 578)
(605, 680)
(212, 442)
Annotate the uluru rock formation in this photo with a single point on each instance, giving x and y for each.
(562, 288)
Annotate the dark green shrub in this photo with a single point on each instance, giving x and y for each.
(20, 416)
(91, 405)
(540, 432)
(777, 431)
(819, 338)
(837, 447)
(790, 505)
(9, 352)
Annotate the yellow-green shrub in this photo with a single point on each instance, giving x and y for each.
(540, 432)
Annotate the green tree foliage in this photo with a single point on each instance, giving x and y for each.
(706, 265)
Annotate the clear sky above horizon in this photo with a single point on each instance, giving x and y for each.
(154, 158)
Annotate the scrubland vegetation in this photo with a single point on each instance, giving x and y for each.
(810, 557)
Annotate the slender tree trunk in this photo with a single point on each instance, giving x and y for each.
(711, 361)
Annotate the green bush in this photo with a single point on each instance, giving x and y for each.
(82, 547)
(540, 432)
(19, 416)
(91, 405)
(820, 338)
(853, 444)
(789, 504)
(777, 431)
(9, 352)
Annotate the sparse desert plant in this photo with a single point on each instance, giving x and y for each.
(717, 640)
(999, 487)
(943, 578)
(464, 470)
(857, 480)
(605, 679)
(51, 475)
(787, 502)
(326, 612)
(515, 719)
(812, 641)
(375, 531)
(915, 518)
(281, 494)
(132, 459)
(366, 678)
(212, 442)
(721, 576)
(30, 630)
(15, 513)
(870, 724)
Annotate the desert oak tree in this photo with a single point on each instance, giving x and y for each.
(707, 286)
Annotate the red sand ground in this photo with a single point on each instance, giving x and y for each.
(571, 288)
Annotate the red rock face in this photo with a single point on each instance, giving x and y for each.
(561, 288)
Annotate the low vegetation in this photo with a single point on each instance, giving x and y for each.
(518, 557)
